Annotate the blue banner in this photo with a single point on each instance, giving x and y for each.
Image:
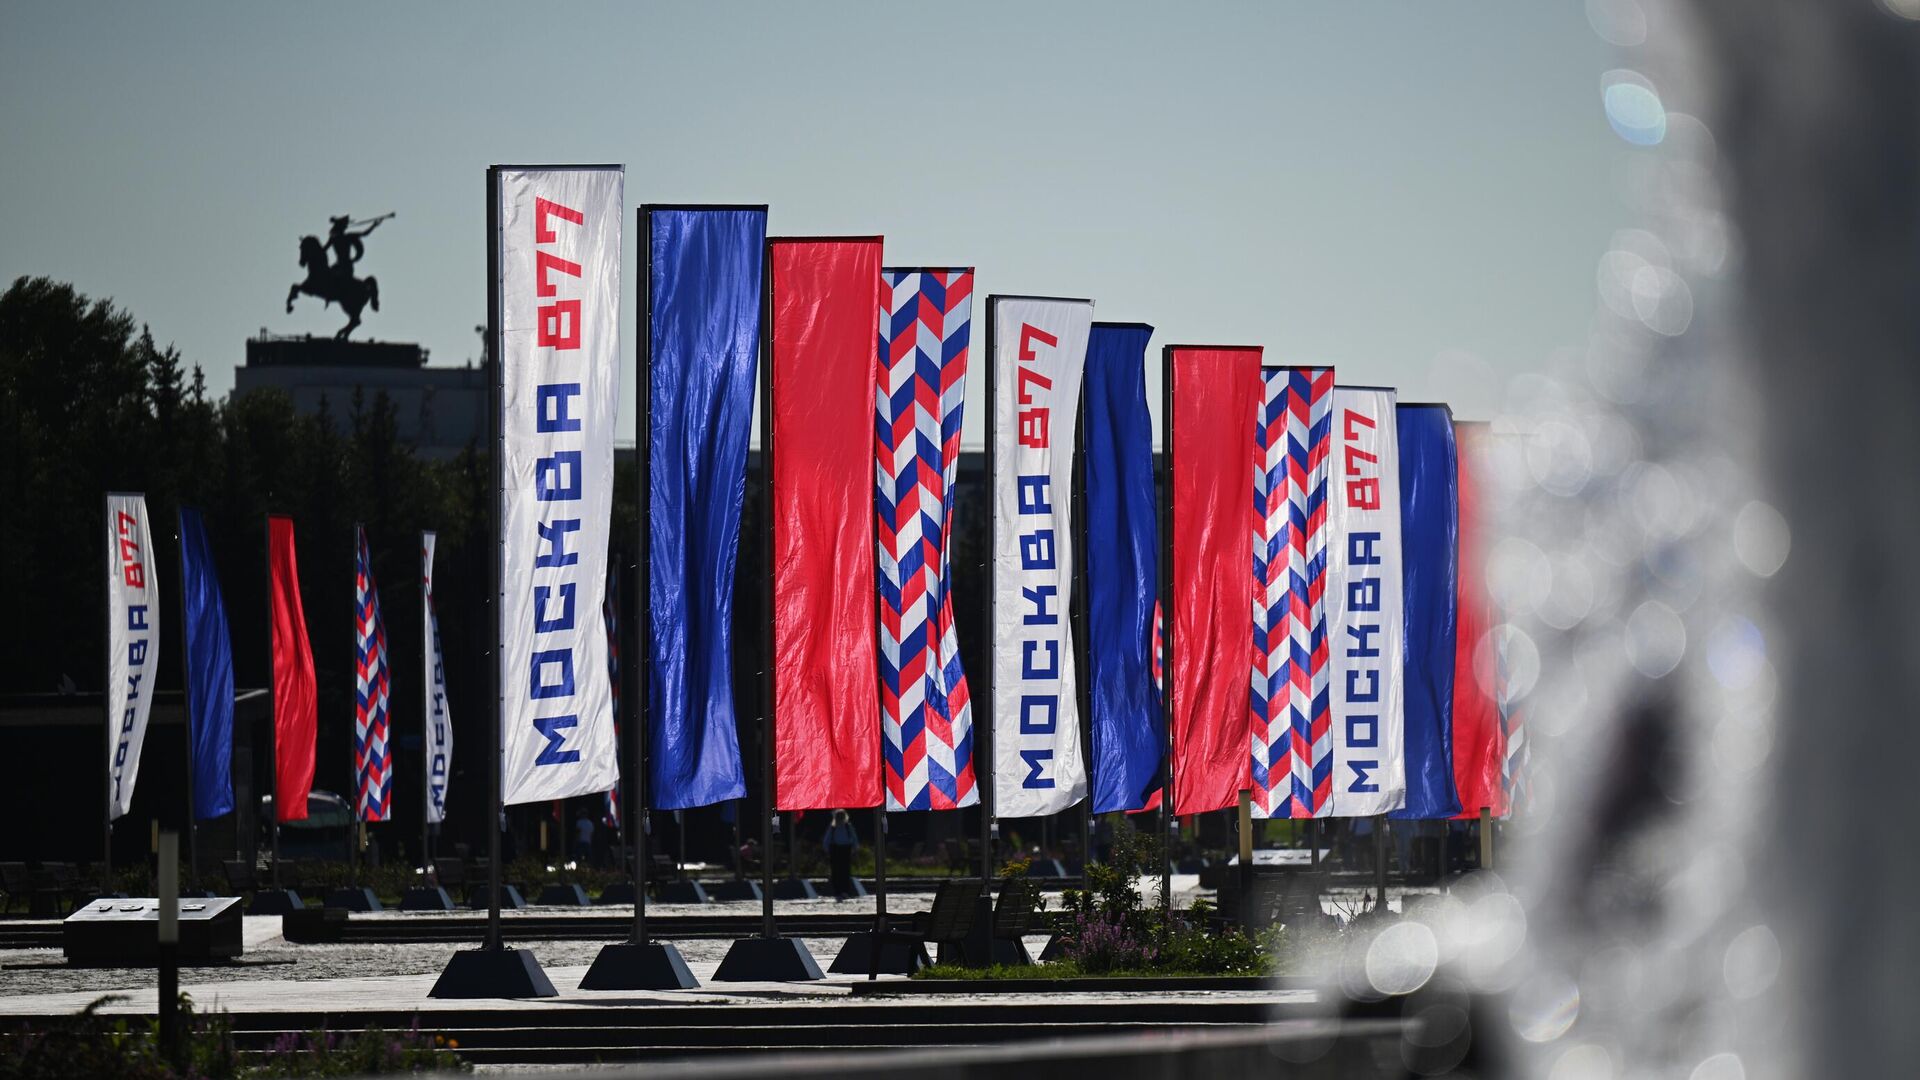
(1429, 543)
(1123, 568)
(703, 340)
(209, 672)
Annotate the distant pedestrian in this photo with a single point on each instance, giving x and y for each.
(583, 838)
(840, 841)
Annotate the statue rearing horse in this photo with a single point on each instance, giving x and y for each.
(334, 282)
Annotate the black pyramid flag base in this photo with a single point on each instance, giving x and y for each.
(768, 959)
(654, 965)
(356, 898)
(493, 973)
(900, 954)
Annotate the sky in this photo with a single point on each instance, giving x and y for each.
(1416, 193)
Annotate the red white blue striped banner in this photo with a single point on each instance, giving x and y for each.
(1292, 721)
(926, 712)
(372, 682)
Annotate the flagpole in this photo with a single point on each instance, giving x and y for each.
(983, 732)
(637, 789)
(1166, 622)
(1082, 605)
(273, 713)
(426, 718)
(359, 744)
(106, 693)
(767, 687)
(186, 680)
(496, 811)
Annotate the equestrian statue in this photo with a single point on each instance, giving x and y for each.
(333, 282)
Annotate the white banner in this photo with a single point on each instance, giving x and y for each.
(1365, 636)
(133, 642)
(559, 350)
(439, 724)
(1039, 353)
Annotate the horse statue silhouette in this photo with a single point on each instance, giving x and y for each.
(333, 282)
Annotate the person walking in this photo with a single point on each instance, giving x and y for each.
(840, 841)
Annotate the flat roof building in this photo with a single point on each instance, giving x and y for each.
(438, 410)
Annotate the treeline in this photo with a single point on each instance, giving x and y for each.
(90, 403)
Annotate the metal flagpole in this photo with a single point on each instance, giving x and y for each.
(106, 695)
(1082, 606)
(494, 570)
(1166, 622)
(767, 696)
(426, 718)
(273, 727)
(186, 690)
(983, 732)
(359, 846)
(641, 823)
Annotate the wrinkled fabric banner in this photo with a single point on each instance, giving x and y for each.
(559, 372)
(926, 324)
(209, 671)
(133, 642)
(295, 711)
(372, 693)
(1291, 715)
(439, 722)
(1039, 353)
(1479, 747)
(825, 307)
(1429, 515)
(1123, 570)
(1216, 398)
(1365, 619)
(703, 349)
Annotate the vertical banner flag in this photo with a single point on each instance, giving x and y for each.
(610, 615)
(209, 671)
(1292, 724)
(1039, 353)
(926, 715)
(295, 719)
(559, 369)
(703, 347)
(133, 642)
(372, 691)
(1429, 516)
(1123, 571)
(1479, 753)
(1365, 619)
(439, 727)
(825, 307)
(1216, 396)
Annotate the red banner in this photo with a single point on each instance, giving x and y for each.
(1478, 744)
(1216, 393)
(825, 318)
(294, 710)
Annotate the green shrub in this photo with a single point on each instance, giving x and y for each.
(90, 1044)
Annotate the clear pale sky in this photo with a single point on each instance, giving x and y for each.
(1364, 183)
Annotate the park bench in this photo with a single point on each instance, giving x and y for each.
(950, 919)
(53, 887)
(1014, 916)
(451, 875)
(242, 878)
(17, 882)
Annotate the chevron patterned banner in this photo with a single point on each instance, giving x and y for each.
(1292, 723)
(372, 759)
(926, 714)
